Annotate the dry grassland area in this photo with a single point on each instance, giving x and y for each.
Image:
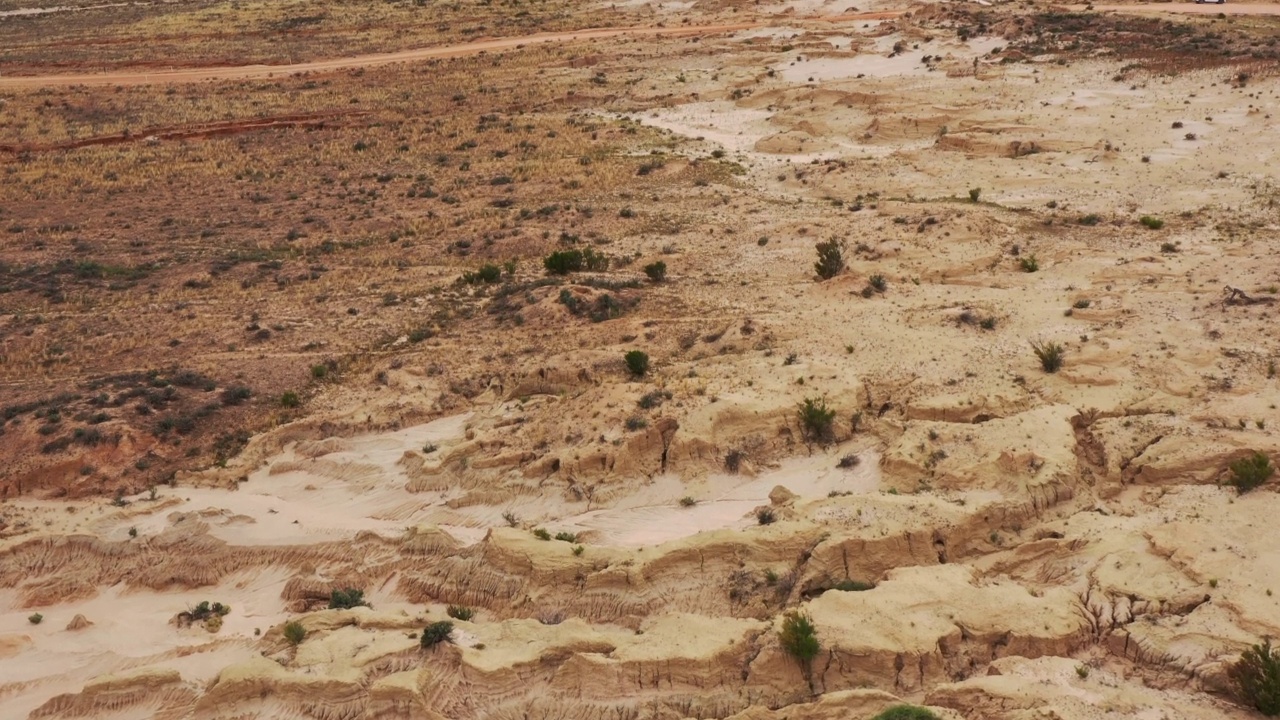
(639, 361)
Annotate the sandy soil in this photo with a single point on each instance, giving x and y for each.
(971, 529)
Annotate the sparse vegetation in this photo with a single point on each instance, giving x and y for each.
(687, 501)
(974, 194)
(830, 259)
(294, 632)
(799, 638)
(460, 612)
(1050, 355)
(35, 618)
(436, 633)
(853, 586)
(1251, 471)
(656, 271)
(542, 533)
(347, 598)
(817, 420)
(1029, 263)
(637, 362)
(1256, 678)
(1151, 223)
(765, 516)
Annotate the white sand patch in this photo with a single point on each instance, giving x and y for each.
(723, 501)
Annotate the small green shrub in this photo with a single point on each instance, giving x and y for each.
(830, 259)
(1151, 223)
(1029, 263)
(657, 271)
(35, 618)
(635, 422)
(1050, 355)
(488, 273)
(816, 420)
(974, 194)
(290, 399)
(346, 599)
(765, 516)
(1091, 219)
(853, 586)
(906, 712)
(1249, 472)
(436, 633)
(319, 371)
(567, 537)
(1256, 678)
(578, 549)
(1081, 304)
(637, 362)
(541, 534)
(688, 501)
(1168, 247)
(236, 395)
(653, 399)
(294, 632)
(460, 612)
(799, 637)
(878, 283)
(563, 262)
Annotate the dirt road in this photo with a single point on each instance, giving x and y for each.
(1191, 8)
(257, 72)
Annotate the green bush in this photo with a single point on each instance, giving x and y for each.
(541, 534)
(816, 420)
(974, 194)
(765, 516)
(459, 612)
(878, 283)
(35, 618)
(1029, 264)
(235, 395)
(346, 599)
(290, 399)
(830, 259)
(1249, 472)
(637, 362)
(1256, 677)
(906, 712)
(294, 632)
(1091, 219)
(563, 262)
(436, 633)
(1050, 354)
(853, 586)
(799, 637)
(1151, 223)
(567, 537)
(657, 271)
(488, 273)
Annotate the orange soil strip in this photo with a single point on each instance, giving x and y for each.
(257, 72)
(1189, 8)
(228, 127)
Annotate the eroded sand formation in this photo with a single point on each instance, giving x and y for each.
(1039, 545)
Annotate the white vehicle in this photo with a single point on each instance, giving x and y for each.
(1220, 2)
